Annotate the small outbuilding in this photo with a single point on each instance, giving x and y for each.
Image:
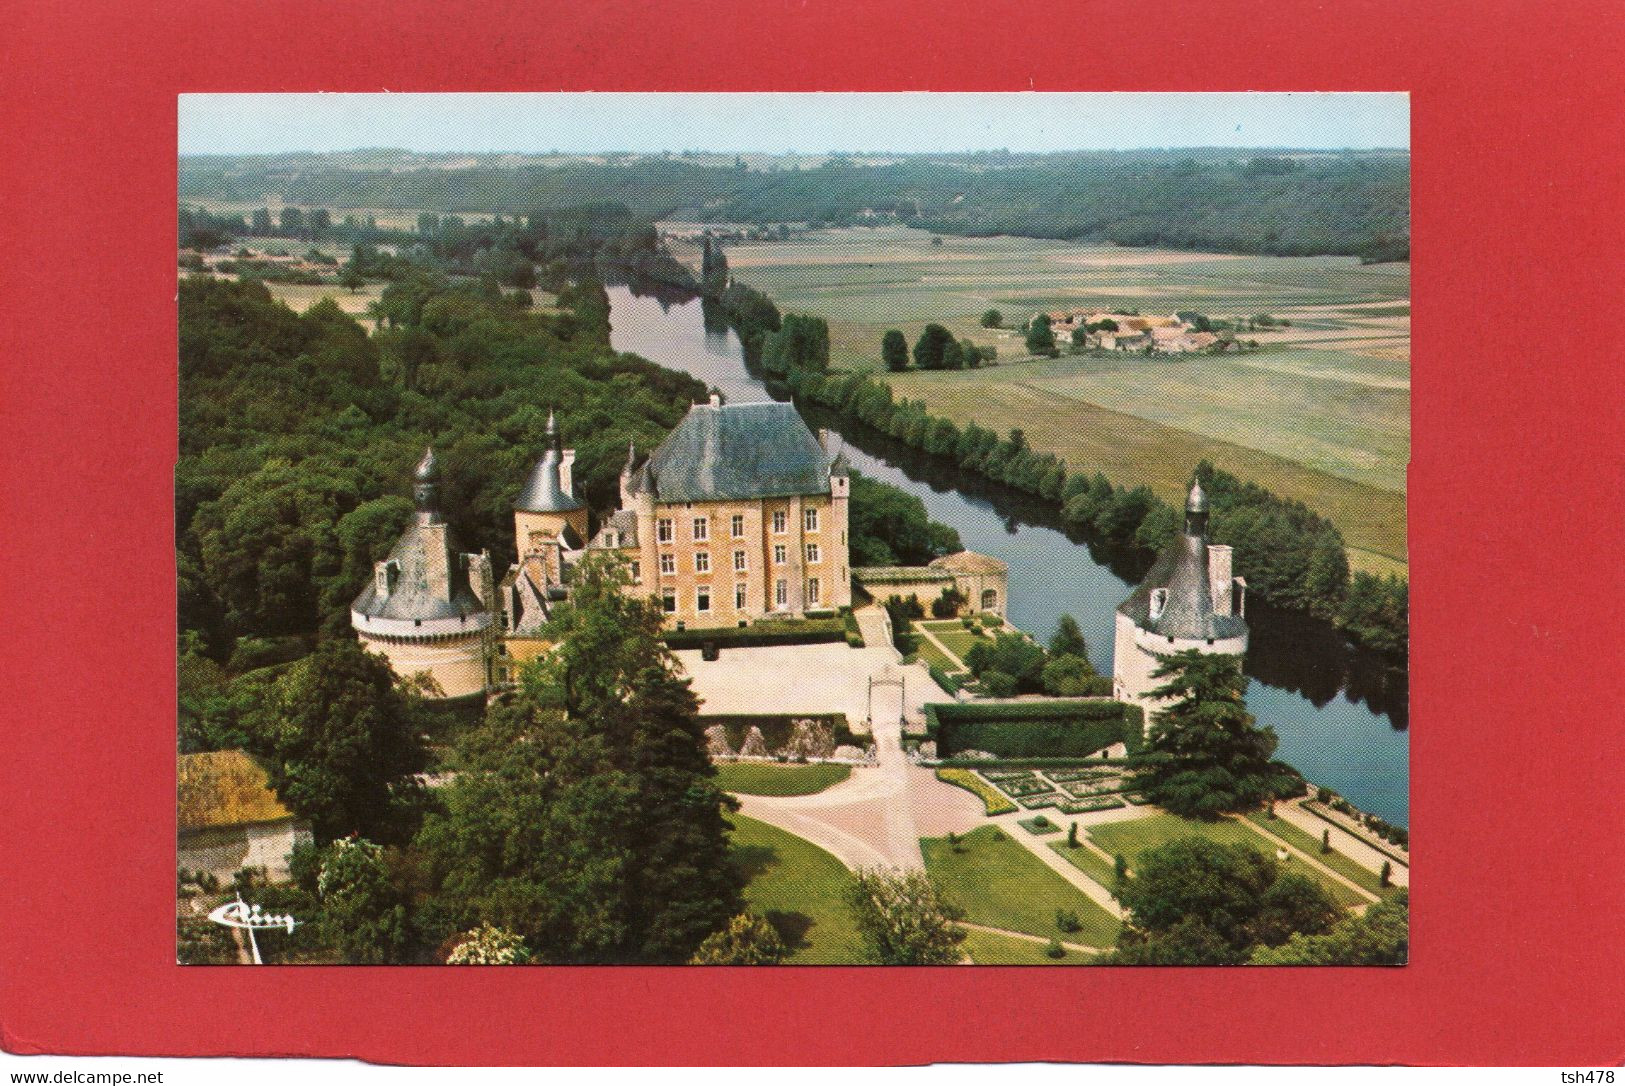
(228, 818)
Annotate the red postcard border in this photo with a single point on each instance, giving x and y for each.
(1516, 527)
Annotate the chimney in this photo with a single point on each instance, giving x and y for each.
(716, 399)
(566, 473)
(1218, 574)
(824, 439)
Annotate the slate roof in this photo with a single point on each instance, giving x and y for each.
(622, 521)
(738, 451)
(418, 593)
(542, 492)
(224, 788)
(1188, 614)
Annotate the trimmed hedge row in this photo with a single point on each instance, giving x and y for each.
(810, 632)
(993, 802)
(1053, 728)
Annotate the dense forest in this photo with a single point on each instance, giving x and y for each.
(1287, 203)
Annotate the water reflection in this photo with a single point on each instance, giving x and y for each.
(1340, 712)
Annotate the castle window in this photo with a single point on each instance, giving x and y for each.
(781, 521)
(668, 600)
(702, 599)
(702, 562)
(739, 561)
(738, 526)
(809, 520)
(663, 530)
(1159, 600)
(739, 596)
(812, 589)
(812, 553)
(781, 593)
(668, 564)
(702, 529)
(781, 554)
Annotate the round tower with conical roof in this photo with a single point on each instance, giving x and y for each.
(1189, 599)
(428, 609)
(547, 512)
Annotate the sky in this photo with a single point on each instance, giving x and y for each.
(777, 123)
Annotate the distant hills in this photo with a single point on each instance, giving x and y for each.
(1284, 202)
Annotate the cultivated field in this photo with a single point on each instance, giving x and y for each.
(1321, 413)
(299, 297)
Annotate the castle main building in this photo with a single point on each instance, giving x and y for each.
(1188, 600)
(740, 514)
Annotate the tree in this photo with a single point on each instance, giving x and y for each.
(894, 351)
(747, 940)
(970, 353)
(363, 911)
(1069, 676)
(340, 740)
(586, 816)
(1194, 901)
(903, 920)
(992, 319)
(1072, 836)
(488, 945)
(1325, 841)
(930, 347)
(1379, 937)
(953, 356)
(1040, 338)
(1387, 877)
(1010, 654)
(1067, 640)
(1205, 756)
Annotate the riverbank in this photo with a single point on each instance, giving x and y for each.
(1340, 712)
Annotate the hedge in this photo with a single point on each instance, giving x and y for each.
(1053, 728)
(809, 632)
(949, 684)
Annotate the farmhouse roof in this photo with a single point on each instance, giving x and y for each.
(726, 452)
(224, 788)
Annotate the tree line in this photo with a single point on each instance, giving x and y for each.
(1291, 556)
(1230, 201)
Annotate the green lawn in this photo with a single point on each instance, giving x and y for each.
(768, 779)
(935, 656)
(1090, 863)
(1002, 885)
(1337, 861)
(986, 948)
(798, 887)
(958, 639)
(1134, 837)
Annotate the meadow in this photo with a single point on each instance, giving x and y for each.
(1321, 412)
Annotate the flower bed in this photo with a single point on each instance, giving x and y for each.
(1038, 802)
(1094, 788)
(992, 801)
(1096, 803)
(1030, 786)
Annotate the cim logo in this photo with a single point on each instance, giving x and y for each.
(239, 914)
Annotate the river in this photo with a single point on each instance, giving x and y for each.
(1340, 713)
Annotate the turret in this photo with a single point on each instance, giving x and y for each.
(547, 510)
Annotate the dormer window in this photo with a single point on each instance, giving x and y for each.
(386, 574)
(1159, 600)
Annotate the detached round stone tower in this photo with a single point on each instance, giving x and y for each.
(1188, 600)
(428, 609)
